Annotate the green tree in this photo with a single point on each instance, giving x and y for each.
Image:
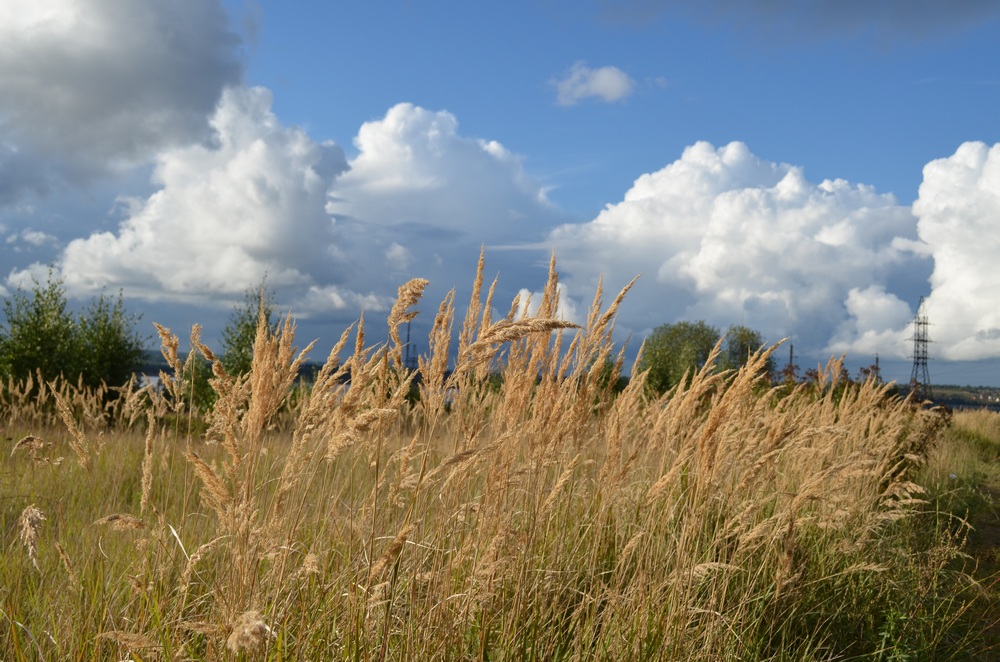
(197, 392)
(41, 336)
(111, 350)
(675, 349)
(740, 343)
(241, 330)
(39, 333)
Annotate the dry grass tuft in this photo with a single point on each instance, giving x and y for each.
(74, 580)
(31, 444)
(30, 522)
(77, 440)
(130, 640)
(121, 522)
(248, 632)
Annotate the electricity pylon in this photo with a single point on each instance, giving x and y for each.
(920, 378)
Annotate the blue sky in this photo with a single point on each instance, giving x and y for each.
(865, 103)
(808, 168)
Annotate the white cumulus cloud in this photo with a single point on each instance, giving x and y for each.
(727, 237)
(426, 198)
(225, 215)
(958, 208)
(414, 168)
(608, 84)
(333, 236)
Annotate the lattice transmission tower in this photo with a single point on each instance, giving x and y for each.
(920, 378)
(409, 355)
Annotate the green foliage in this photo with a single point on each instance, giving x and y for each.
(239, 334)
(41, 336)
(38, 333)
(110, 348)
(675, 349)
(197, 391)
(740, 343)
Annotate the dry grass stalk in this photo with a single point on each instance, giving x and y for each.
(409, 294)
(77, 440)
(433, 370)
(32, 444)
(36, 448)
(313, 420)
(30, 522)
(564, 478)
(130, 640)
(391, 553)
(194, 559)
(310, 566)
(74, 581)
(201, 627)
(215, 492)
(173, 385)
(147, 463)
(481, 351)
(121, 522)
(475, 311)
(274, 369)
(169, 348)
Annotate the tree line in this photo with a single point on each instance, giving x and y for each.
(101, 344)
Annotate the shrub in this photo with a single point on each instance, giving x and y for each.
(41, 337)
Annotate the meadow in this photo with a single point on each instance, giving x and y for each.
(519, 509)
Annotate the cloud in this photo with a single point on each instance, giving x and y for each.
(958, 207)
(225, 215)
(877, 321)
(31, 237)
(398, 257)
(333, 236)
(529, 302)
(899, 17)
(87, 85)
(414, 169)
(608, 84)
(420, 199)
(727, 237)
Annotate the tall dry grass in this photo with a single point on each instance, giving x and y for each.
(518, 510)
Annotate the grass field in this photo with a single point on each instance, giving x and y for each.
(533, 516)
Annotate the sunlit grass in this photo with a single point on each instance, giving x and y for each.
(537, 516)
